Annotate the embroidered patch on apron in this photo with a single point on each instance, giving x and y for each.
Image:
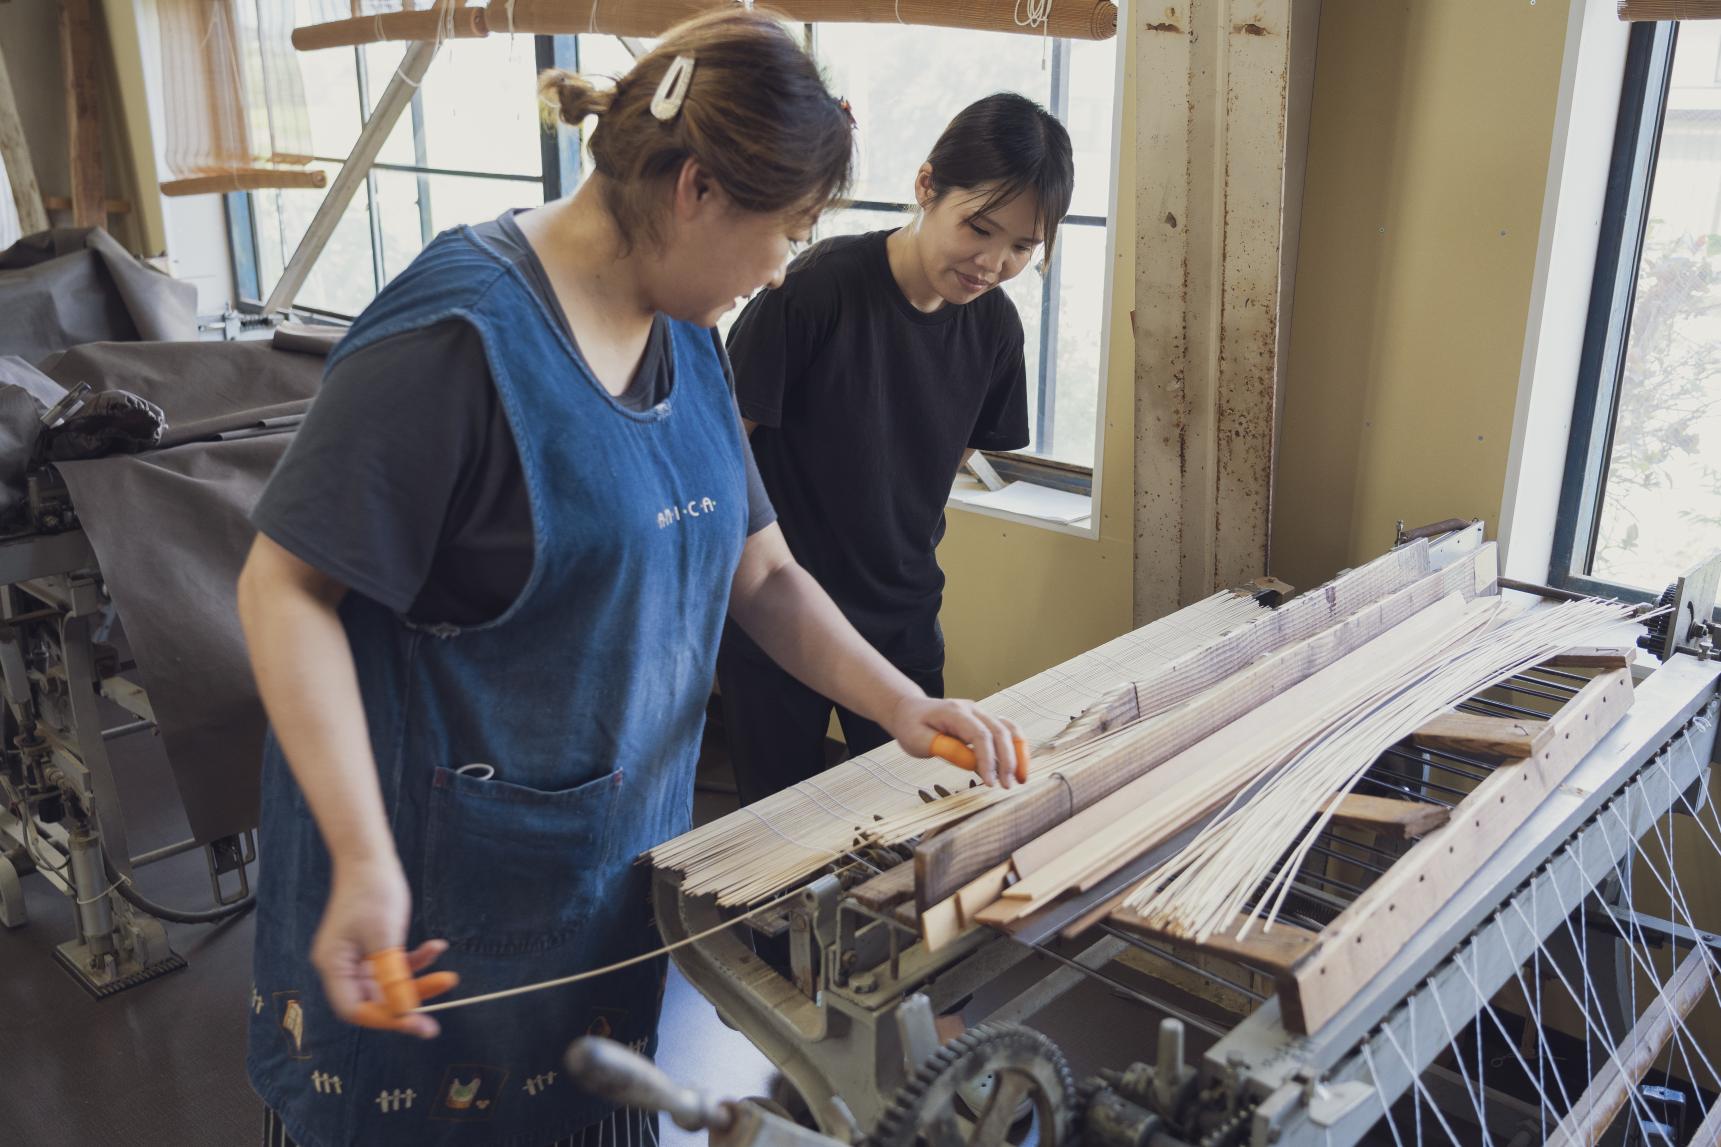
(290, 1017)
(469, 1092)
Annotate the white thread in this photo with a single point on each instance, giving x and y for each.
(101, 895)
(1374, 1077)
(594, 973)
(1421, 1092)
(1476, 1100)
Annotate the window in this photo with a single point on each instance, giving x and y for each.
(1641, 498)
(906, 83)
(469, 147)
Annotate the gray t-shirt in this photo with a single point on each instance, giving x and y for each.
(404, 483)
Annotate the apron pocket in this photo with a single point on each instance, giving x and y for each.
(510, 869)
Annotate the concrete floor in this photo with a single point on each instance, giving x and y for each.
(162, 1063)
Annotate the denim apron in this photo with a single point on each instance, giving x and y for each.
(587, 698)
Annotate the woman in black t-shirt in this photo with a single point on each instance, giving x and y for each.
(865, 381)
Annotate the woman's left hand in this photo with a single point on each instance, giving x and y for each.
(916, 720)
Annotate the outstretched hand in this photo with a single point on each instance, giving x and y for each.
(917, 720)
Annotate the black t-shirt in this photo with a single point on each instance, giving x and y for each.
(404, 482)
(864, 406)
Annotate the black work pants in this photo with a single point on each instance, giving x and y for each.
(775, 726)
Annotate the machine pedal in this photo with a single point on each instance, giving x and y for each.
(103, 988)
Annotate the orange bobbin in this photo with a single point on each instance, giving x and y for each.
(960, 755)
(401, 993)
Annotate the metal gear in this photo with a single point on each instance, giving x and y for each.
(1657, 629)
(931, 1108)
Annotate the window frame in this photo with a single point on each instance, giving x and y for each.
(1625, 217)
(559, 159)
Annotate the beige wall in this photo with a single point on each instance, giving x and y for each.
(1428, 157)
(1020, 598)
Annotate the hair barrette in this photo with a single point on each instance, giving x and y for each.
(672, 89)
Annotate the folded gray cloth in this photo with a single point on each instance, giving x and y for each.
(25, 395)
(66, 287)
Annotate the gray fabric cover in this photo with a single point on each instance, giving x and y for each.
(171, 529)
(65, 287)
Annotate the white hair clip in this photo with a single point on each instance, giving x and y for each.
(672, 89)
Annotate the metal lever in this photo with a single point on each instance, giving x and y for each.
(624, 1077)
(67, 406)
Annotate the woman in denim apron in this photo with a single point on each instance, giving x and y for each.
(482, 790)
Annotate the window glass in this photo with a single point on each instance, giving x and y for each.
(1660, 508)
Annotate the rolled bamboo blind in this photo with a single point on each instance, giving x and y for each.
(1071, 19)
(235, 103)
(1670, 9)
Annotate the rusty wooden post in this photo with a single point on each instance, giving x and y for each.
(1218, 97)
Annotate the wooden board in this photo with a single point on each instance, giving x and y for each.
(886, 890)
(1506, 738)
(1275, 951)
(1594, 657)
(1370, 933)
(1388, 816)
(947, 920)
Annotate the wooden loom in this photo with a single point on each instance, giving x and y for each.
(1014, 861)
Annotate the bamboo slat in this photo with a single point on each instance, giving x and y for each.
(1187, 711)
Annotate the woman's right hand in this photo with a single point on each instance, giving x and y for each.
(369, 908)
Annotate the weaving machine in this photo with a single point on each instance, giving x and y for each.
(117, 572)
(1491, 843)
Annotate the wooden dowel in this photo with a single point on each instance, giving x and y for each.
(1087, 20)
(249, 180)
(467, 24)
(1595, 1109)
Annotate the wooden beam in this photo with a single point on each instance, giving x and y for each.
(1207, 984)
(130, 104)
(1213, 87)
(83, 112)
(1506, 738)
(1370, 933)
(1594, 1111)
(1389, 817)
(249, 180)
(1275, 951)
(15, 153)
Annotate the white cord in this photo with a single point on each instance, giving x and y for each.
(102, 895)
